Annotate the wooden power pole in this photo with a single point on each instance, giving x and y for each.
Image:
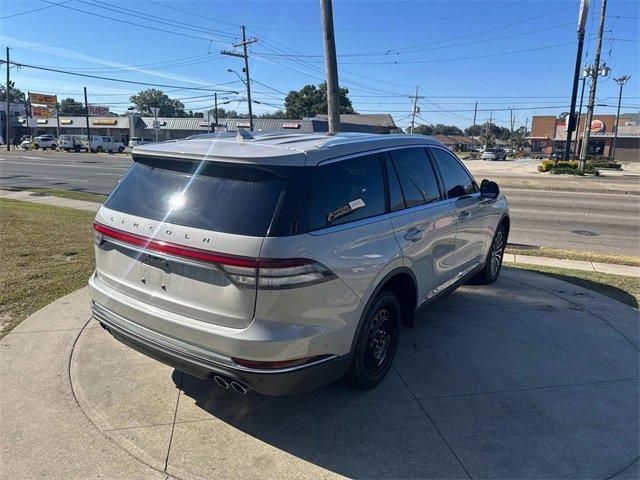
(333, 89)
(8, 114)
(592, 93)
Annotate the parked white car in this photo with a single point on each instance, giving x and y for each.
(139, 141)
(100, 143)
(279, 263)
(41, 141)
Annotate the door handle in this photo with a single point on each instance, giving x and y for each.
(463, 217)
(414, 234)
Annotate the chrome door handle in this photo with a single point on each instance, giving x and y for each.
(414, 234)
(463, 217)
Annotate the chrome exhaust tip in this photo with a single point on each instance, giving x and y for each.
(221, 381)
(239, 388)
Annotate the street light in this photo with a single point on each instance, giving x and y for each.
(231, 70)
(620, 81)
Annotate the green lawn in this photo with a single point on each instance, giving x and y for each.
(623, 289)
(89, 197)
(47, 252)
(576, 255)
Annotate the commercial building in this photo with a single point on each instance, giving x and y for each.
(549, 134)
(123, 128)
(16, 110)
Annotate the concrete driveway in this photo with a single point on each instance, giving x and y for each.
(529, 378)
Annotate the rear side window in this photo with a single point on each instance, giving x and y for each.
(228, 198)
(347, 190)
(457, 181)
(417, 178)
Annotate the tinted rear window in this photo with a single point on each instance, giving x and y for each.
(347, 190)
(222, 197)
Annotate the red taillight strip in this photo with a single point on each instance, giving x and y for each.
(174, 249)
(162, 246)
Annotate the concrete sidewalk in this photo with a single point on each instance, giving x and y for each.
(528, 378)
(27, 196)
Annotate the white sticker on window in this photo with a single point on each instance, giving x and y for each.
(356, 204)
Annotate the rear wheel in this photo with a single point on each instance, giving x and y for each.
(53, 146)
(99, 149)
(120, 149)
(493, 264)
(376, 344)
(76, 149)
(36, 146)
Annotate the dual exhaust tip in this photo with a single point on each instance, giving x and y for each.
(226, 383)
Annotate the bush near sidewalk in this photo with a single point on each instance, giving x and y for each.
(47, 252)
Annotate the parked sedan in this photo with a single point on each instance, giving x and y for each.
(494, 154)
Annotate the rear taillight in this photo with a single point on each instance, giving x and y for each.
(248, 272)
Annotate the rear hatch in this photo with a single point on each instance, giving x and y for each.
(184, 236)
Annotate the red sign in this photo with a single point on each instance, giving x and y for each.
(597, 126)
(292, 125)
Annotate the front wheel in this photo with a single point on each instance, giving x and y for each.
(493, 263)
(53, 146)
(99, 149)
(120, 149)
(376, 344)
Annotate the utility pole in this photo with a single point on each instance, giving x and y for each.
(592, 93)
(86, 116)
(8, 114)
(578, 117)
(247, 81)
(620, 81)
(414, 110)
(331, 64)
(475, 112)
(571, 124)
(511, 121)
(215, 110)
(487, 130)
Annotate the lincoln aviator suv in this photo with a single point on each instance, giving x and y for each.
(278, 263)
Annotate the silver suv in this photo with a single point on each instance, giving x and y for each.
(279, 263)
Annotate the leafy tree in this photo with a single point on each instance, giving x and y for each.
(423, 130)
(16, 94)
(146, 99)
(192, 114)
(70, 106)
(519, 137)
(474, 130)
(438, 129)
(311, 101)
(275, 114)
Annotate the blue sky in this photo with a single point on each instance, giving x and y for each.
(501, 54)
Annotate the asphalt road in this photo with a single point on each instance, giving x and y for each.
(578, 220)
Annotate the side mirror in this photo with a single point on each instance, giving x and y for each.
(489, 189)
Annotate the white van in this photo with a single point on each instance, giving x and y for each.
(101, 143)
(139, 141)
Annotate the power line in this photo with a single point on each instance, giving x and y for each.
(95, 14)
(115, 79)
(154, 18)
(35, 10)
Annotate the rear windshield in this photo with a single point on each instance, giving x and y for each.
(222, 197)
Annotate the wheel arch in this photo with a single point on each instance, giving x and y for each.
(402, 282)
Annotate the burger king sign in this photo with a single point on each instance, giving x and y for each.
(597, 126)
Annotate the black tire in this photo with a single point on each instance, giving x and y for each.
(36, 146)
(120, 149)
(493, 263)
(77, 149)
(99, 149)
(376, 344)
(53, 146)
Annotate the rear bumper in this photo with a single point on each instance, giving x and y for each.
(205, 365)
